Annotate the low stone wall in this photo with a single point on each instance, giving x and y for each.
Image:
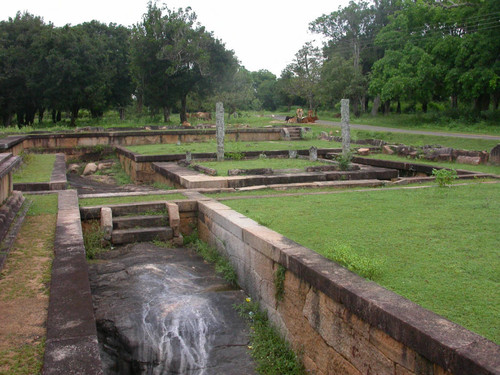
(71, 346)
(340, 322)
(145, 137)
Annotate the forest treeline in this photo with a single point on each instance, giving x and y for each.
(378, 55)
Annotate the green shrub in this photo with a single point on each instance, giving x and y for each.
(93, 239)
(344, 161)
(444, 177)
(271, 352)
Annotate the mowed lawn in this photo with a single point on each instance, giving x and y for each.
(439, 247)
(35, 168)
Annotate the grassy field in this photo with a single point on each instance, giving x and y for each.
(87, 202)
(438, 247)
(164, 149)
(24, 284)
(274, 163)
(36, 168)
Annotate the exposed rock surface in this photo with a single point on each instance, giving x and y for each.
(164, 311)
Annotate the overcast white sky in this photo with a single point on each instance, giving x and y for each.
(264, 34)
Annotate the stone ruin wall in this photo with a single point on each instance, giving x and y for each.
(341, 323)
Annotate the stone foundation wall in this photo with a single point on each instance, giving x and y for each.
(341, 323)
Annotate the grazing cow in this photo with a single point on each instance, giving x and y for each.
(310, 113)
(291, 120)
(185, 123)
(202, 115)
(300, 113)
(338, 115)
(309, 119)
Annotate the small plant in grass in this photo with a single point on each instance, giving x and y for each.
(93, 239)
(344, 161)
(271, 352)
(279, 282)
(234, 155)
(346, 256)
(444, 177)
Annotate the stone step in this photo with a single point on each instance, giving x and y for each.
(123, 236)
(141, 221)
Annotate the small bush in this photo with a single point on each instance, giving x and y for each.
(344, 161)
(234, 155)
(93, 239)
(271, 352)
(279, 282)
(444, 177)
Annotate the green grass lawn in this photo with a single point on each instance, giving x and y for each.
(165, 149)
(439, 247)
(274, 163)
(36, 168)
(493, 169)
(86, 202)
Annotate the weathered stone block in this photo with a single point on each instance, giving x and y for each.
(472, 160)
(106, 223)
(393, 349)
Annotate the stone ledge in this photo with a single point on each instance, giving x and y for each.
(58, 180)
(71, 344)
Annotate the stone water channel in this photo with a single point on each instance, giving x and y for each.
(165, 311)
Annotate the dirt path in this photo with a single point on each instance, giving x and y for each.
(373, 128)
(24, 297)
(407, 131)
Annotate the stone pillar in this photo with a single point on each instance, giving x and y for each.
(106, 223)
(189, 157)
(313, 154)
(346, 129)
(292, 154)
(219, 121)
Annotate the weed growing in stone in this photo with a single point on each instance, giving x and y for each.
(279, 282)
(444, 177)
(222, 265)
(271, 352)
(93, 239)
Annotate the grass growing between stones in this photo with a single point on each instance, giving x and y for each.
(24, 283)
(274, 163)
(35, 168)
(222, 265)
(438, 247)
(493, 169)
(167, 148)
(271, 352)
(86, 202)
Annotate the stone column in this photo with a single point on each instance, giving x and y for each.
(346, 129)
(313, 154)
(189, 156)
(292, 154)
(219, 121)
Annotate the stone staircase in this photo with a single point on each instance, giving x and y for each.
(141, 222)
(295, 133)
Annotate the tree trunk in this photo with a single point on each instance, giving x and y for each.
(121, 112)
(166, 114)
(482, 103)
(496, 99)
(387, 107)
(20, 118)
(376, 105)
(424, 107)
(355, 107)
(59, 116)
(41, 111)
(140, 101)
(183, 108)
(74, 116)
(454, 101)
(398, 108)
(362, 101)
